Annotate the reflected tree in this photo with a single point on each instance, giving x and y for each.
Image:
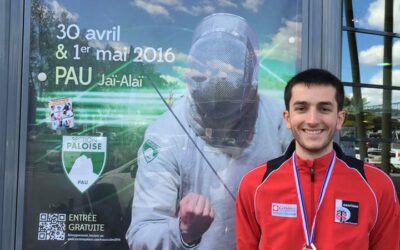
(387, 82)
(355, 71)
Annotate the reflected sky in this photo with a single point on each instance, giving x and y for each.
(370, 15)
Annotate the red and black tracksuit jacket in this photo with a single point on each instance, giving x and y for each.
(360, 209)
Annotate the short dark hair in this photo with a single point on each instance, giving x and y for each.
(315, 77)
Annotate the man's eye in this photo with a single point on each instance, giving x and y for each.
(325, 109)
(299, 108)
(199, 78)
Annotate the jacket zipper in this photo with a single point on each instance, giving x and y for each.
(312, 174)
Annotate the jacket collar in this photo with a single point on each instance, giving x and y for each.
(292, 147)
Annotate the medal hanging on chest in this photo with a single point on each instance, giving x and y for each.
(310, 237)
(312, 247)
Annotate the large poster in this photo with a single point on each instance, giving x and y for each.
(102, 72)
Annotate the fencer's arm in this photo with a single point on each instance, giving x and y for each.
(155, 224)
(159, 220)
(153, 227)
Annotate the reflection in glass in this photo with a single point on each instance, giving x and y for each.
(355, 73)
(373, 113)
(370, 50)
(370, 14)
(372, 59)
(387, 82)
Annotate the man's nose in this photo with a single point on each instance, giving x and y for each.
(313, 116)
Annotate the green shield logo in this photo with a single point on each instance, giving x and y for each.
(150, 150)
(83, 159)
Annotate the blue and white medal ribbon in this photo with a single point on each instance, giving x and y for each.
(310, 238)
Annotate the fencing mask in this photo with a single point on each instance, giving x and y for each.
(222, 74)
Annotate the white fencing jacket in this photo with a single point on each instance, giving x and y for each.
(169, 167)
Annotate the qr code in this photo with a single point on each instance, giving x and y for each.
(51, 226)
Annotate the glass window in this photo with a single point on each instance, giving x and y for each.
(371, 58)
(364, 122)
(370, 14)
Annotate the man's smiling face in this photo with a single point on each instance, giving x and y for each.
(313, 117)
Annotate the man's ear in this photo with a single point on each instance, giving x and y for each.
(286, 118)
(341, 119)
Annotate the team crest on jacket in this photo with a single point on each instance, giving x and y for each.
(150, 150)
(346, 212)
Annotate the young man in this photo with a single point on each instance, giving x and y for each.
(314, 196)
